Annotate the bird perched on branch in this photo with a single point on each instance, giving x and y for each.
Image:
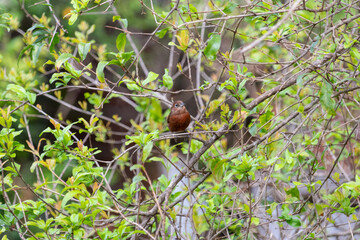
(179, 118)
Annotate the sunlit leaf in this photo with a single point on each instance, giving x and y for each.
(212, 47)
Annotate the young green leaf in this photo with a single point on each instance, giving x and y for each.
(212, 46)
(161, 33)
(35, 52)
(151, 77)
(326, 100)
(61, 59)
(84, 48)
(100, 70)
(73, 18)
(167, 79)
(121, 42)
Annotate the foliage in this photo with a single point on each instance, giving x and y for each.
(273, 147)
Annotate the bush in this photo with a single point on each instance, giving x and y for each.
(272, 149)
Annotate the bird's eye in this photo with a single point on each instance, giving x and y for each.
(177, 105)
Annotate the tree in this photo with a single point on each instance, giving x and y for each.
(272, 87)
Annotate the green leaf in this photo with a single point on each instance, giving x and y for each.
(79, 233)
(35, 52)
(301, 108)
(115, 18)
(136, 166)
(31, 97)
(121, 42)
(218, 170)
(138, 178)
(266, 118)
(229, 8)
(294, 222)
(4, 237)
(192, 8)
(124, 57)
(147, 150)
(73, 18)
(61, 59)
(23, 51)
(151, 77)
(253, 129)
(161, 33)
(280, 164)
(348, 41)
(22, 93)
(36, 26)
(33, 166)
(100, 71)
(123, 20)
(84, 48)
(212, 46)
(291, 220)
(164, 181)
(294, 192)
(11, 169)
(132, 86)
(167, 80)
(156, 159)
(69, 195)
(272, 208)
(19, 90)
(355, 53)
(326, 100)
(55, 40)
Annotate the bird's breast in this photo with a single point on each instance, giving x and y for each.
(179, 121)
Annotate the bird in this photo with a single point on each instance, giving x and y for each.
(179, 118)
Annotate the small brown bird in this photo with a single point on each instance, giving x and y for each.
(179, 118)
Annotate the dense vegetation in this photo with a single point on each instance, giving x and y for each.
(272, 151)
